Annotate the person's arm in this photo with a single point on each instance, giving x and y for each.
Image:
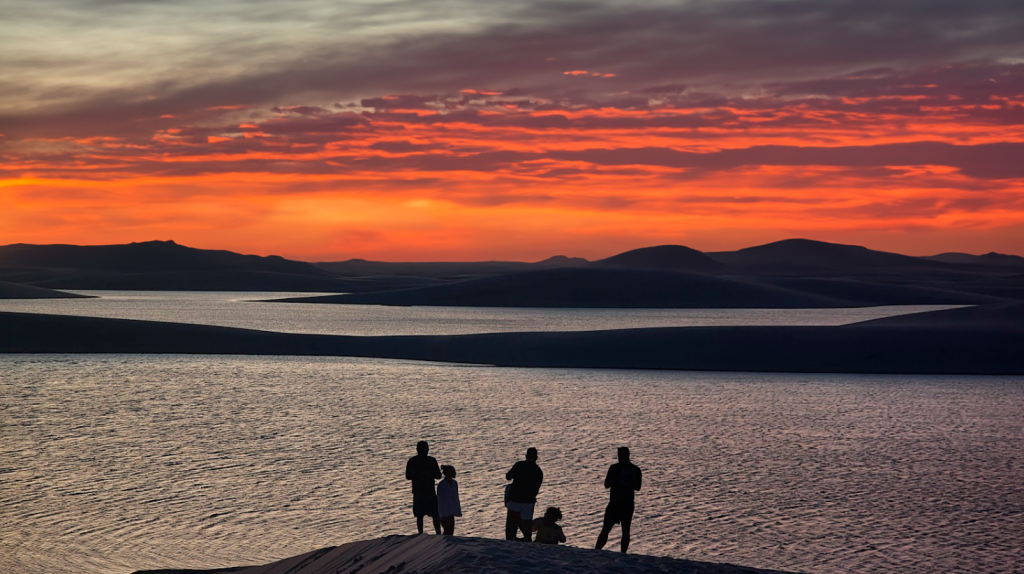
(511, 472)
(537, 522)
(436, 469)
(608, 477)
(408, 470)
(639, 478)
(457, 502)
(561, 535)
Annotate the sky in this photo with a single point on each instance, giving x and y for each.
(428, 130)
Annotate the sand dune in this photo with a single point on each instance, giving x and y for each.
(456, 555)
(1008, 317)
(981, 340)
(868, 293)
(636, 288)
(18, 291)
(588, 287)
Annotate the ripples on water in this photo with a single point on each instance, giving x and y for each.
(114, 463)
(243, 310)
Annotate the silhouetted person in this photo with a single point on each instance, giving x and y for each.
(624, 478)
(547, 528)
(422, 470)
(526, 478)
(448, 505)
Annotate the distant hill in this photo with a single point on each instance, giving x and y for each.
(444, 269)
(146, 257)
(212, 281)
(664, 258)
(856, 275)
(558, 261)
(163, 265)
(796, 256)
(595, 288)
(996, 259)
(18, 291)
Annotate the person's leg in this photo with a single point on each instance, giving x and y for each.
(419, 523)
(437, 524)
(448, 525)
(526, 522)
(526, 527)
(626, 522)
(511, 524)
(606, 529)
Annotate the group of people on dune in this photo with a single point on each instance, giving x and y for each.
(442, 504)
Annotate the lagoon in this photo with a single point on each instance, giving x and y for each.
(112, 463)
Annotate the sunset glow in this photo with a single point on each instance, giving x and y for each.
(538, 131)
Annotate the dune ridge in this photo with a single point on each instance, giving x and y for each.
(18, 291)
(978, 340)
(653, 289)
(426, 554)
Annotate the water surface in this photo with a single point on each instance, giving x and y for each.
(242, 309)
(116, 462)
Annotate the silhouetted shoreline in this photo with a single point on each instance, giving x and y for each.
(982, 340)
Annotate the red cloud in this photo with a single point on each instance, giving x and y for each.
(930, 149)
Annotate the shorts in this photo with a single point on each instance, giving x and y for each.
(525, 509)
(618, 514)
(424, 504)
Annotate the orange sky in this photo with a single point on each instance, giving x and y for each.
(918, 159)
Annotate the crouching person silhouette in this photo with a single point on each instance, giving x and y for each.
(547, 527)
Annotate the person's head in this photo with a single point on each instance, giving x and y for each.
(623, 454)
(552, 514)
(422, 447)
(531, 454)
(448, 471)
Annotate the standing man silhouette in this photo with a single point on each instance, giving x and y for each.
(526, 479)
(623, 480)
(422, 470)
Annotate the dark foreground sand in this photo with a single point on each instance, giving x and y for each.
(454, 555)
(976, 340)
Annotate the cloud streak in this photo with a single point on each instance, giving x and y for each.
(597, 119)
